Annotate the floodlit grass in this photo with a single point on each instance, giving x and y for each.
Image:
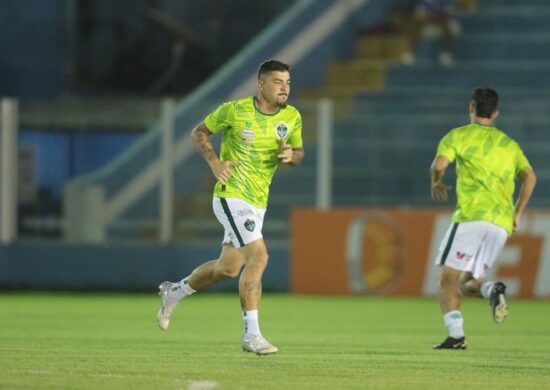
(100, 341)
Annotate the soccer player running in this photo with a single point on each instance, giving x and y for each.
(258, 133)
(488, 162)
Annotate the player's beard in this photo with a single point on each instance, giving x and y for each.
(282, 103)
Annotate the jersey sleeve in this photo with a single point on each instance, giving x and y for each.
(447, 148)
(522, 163)
(221, 118)
(295, 139)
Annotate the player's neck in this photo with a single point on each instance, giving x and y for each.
(482, 121)
(264, 106)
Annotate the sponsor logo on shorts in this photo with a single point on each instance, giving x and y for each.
(463, 256)
(250, 225)
(242, 213)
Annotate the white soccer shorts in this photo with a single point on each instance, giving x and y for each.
(242, 221)
(471, 247)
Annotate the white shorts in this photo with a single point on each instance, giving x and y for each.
(242, 221)
(471, 246)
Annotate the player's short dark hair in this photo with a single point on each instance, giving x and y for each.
(272, 66)
(485, 102)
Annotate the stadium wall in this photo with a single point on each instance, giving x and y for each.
(347, 251)
(121, 267)
(34, 49)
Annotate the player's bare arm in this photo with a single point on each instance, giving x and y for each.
(529, 181)
(201, 139)
(440, 190)
(290, 156)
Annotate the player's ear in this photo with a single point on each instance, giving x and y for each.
(495, 114)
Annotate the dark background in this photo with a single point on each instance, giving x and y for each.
(91, 47)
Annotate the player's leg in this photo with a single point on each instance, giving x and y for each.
(449, 291)
(454, 258)
(243, 223)
(449, 300)
(494, 292)
(490, 248)
(250, 291)
(250, 283)
(472, 283)
(228, 265)
(469, 286)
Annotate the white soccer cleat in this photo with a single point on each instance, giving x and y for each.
(166, 306)
(258, 345)
(498, 303)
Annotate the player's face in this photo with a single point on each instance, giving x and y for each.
(275, 88)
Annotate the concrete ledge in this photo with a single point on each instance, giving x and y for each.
(120, 267)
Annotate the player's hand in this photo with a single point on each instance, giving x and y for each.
(517, 219)
(440, 191)
(285, 152)
(222, 171)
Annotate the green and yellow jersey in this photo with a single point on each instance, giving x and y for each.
(487, 164)
(252, 139)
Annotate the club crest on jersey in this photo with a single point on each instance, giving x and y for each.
(282, 130)
(249, 225)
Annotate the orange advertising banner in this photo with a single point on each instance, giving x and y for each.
(392, 251)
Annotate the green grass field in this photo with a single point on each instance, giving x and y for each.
(102, 341)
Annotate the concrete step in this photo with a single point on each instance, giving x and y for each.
(357, 73)
(516, 5)
(510, 48)
(469, 75)
(515, 20)
(387, 47)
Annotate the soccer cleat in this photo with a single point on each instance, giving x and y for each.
(498, 302)
(166, 306)
(452, 343)
(257, 344)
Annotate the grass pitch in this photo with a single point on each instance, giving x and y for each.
(100, 341)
